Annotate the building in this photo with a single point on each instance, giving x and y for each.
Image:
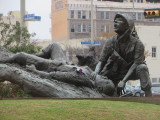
(12, 17)
(150, 36)
(71, 18)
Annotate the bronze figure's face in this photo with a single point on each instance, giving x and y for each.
(104, 85)
(120, 25)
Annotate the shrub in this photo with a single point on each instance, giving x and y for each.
(11, 90)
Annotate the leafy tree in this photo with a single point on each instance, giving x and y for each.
(16, 38)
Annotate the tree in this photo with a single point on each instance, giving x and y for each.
(12, 36)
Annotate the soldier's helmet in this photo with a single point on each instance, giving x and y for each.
(126, 18)
(129, 21)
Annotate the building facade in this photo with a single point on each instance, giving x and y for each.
(71, 18)
(150, 36)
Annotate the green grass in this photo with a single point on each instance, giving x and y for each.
(77, 110)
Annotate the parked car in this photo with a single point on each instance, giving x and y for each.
(137, 92)
(127, 89)
(156, 89)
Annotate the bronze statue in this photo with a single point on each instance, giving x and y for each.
(122, 57)
(58, 69)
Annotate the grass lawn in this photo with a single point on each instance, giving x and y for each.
(77, 110)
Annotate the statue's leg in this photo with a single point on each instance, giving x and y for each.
(73, 77)
(19, 58)
(40, 87)
(53, 51)
(143, 74)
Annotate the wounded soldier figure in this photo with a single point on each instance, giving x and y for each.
(60, 70)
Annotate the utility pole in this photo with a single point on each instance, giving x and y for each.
(92, 25)
(22, 23)
(133, 8)
(22, 9)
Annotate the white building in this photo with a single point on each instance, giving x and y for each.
(150, 36)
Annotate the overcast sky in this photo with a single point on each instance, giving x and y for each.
(39, 8)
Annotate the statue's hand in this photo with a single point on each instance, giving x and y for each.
(120, 88)
(121, 84)
(93, 75)
(30, 67)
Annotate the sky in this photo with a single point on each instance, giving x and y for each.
(39, 8)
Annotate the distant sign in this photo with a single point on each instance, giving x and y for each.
(90, 43)
(32, 17)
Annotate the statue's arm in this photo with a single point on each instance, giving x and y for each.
(99, 67)
(41, 73)
(105, 54)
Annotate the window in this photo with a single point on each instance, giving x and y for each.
(79, 14)
(72, 13)
(84, 15)
(79, 27)
(139, 16)
(154, 79)
(89, 28)
(72, 28)
(59, 5)
(154, 52)
(134, 16)
(104, 15)
(103, 28)
(83, 28)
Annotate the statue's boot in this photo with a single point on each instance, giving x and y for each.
(148, 93)
(143, 74)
